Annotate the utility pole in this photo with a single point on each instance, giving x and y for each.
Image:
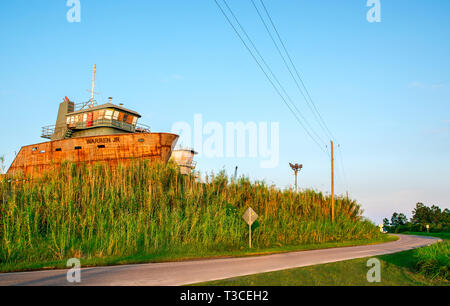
(332, 182)
(296, 169)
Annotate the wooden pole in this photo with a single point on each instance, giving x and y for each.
(250, 236)
(296, 169)
(332, 182)
(296, 180)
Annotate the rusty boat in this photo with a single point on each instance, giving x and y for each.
(90, 133)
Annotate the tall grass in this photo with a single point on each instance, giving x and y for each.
(78, 211)
(434, 260)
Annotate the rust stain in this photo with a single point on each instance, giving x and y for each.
(33, 160)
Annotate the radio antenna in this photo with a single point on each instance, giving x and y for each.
(93, 85)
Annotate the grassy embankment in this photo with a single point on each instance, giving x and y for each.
(421, 267)
(149, 212)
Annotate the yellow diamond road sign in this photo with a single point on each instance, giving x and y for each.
(250, 216)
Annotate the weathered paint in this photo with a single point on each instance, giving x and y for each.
(184, 159)
(35, 159)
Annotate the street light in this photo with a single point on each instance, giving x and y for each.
(296, 169)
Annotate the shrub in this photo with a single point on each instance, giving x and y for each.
(433, 260)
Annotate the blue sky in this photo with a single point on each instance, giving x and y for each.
(383, 88)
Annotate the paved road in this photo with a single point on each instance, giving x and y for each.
(190, 272)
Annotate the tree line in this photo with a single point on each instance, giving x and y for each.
(437, 219)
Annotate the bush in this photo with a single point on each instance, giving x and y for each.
(409, 227)
(433, 260)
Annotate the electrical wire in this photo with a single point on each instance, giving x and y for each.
(313, 107)
(272, 73)
(266, 74)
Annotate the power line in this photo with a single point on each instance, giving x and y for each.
(340, 170)
(265, 73)
(272, 73)
(312, 106)
(310, 102)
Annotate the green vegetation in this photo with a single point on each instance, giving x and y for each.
(433, 260)
(150, 212)
(184, 254)
(437, 219)
(396, 270)
(421, 267)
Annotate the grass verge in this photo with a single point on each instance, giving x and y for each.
(420, 267)
(181, 254)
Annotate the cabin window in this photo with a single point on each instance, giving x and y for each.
(43, 151)
(68, 120)
(116, 115)
(135, 119)
(101, 146)
(125, 117)
(108, 114)
(34, 149)
(90, 117)
(78, 148)
(84, 117)
(58, 150)
(130, 119)
(101, 114)
(72, 119)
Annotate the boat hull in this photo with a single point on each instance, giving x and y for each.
(34, 160)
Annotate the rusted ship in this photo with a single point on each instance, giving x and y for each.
(90, 133)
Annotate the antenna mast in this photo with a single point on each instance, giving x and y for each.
(93, 85)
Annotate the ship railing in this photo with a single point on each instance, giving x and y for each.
(182, 148)
(191, 165)
(84, 105)
(48, 131)
(138, 128)
(103, 122)
(142, 128)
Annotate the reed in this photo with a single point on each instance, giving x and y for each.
(144, 208)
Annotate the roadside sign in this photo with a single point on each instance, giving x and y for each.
(250, 217)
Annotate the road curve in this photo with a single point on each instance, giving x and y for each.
(190, 272)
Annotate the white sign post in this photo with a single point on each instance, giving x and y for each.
(250, 217)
